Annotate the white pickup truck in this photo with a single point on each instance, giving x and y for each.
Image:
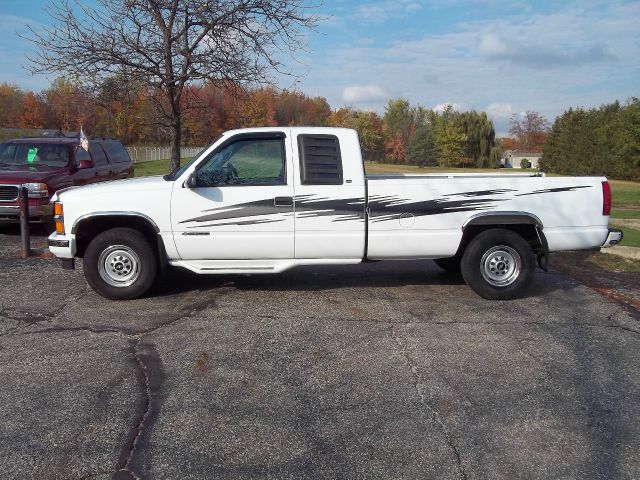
(267, 199)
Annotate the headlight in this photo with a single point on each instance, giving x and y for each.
(37, 190)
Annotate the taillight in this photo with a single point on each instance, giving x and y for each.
(58, 217)
(606, 199)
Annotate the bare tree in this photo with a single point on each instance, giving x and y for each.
(169, 44)
(529, 130)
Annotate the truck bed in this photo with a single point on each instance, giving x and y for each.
(419, 215)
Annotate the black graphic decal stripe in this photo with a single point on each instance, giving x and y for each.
(553, 190)
(240, 222)
(384, 208)
(240, 210)
(306, 206)
(309, 206)
(480, 193)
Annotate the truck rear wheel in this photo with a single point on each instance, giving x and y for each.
(498, 264)
(119, 264)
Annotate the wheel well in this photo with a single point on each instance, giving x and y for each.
(89, 228)
(527, 231)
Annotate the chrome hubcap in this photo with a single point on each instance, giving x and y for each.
(119, 266)
(500, 266)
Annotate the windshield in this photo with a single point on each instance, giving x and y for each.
(176, 173)
(34, 154)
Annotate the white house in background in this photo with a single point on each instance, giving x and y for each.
(515, 158)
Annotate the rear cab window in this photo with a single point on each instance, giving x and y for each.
(98, 155)
(117, 153)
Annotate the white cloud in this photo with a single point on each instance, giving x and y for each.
(381, 11)
(364, 94)
(500, 110)
(495, 45)
(458, 107)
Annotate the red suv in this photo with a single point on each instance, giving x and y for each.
(45, 165)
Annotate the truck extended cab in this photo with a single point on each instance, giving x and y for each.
(268, 199)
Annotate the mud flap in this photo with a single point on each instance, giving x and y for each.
(162, 257)
(68, 263)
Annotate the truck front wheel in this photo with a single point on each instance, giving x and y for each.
(498, 264)
(119, 264)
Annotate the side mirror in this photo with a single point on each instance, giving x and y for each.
(192, 180)
(85, 164)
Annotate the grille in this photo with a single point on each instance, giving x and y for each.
(8, 193)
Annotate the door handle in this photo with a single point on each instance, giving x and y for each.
(283, 201)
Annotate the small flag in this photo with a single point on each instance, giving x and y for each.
(84, 141)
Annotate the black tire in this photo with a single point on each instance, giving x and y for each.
(119, 264)
(498, 264)
(449, 264)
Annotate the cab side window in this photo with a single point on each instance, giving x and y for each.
(245, 162)
(99, 157)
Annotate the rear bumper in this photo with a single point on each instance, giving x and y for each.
(37, 213)
(614, 237)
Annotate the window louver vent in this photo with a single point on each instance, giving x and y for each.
(320, 162)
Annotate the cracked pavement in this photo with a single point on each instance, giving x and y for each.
(383, 370)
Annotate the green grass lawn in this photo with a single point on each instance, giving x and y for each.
(626, 195)
(631, 237)
(625, 213)
(626, 205)
(157, 167)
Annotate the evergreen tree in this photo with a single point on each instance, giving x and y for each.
(603, 141)
(398, 115)
(422, 150)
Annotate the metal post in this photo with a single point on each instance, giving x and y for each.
(23, 202)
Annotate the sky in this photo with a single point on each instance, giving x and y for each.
(502, 57)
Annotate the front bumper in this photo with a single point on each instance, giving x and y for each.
(37, 213)
(614, 237)
(62, 246)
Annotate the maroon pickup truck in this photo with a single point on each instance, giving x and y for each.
(45, 165)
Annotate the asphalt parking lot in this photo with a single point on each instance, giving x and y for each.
(385, 370)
